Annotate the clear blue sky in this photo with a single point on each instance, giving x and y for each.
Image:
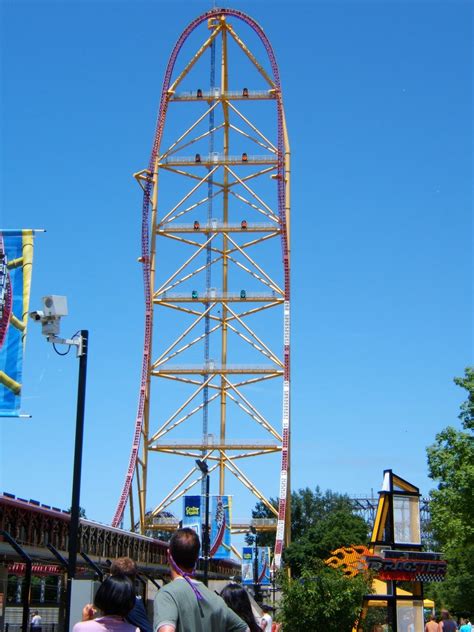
(379, 109)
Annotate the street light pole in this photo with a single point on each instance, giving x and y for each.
(206, 535)
(202, 465)
(256, 585)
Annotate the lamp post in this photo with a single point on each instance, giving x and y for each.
(55, 307)
(256, 585)
(202, 465)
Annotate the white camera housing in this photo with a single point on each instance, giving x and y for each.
(38, 315)
(55, 306)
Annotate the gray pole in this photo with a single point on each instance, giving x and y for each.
(76, 480)
(206, 534)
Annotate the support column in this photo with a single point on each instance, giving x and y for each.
(225, 249)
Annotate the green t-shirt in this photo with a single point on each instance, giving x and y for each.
(176, 604)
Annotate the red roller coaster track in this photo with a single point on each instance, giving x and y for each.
(281, 183)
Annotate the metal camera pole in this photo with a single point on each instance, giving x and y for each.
(55, 308)
(76, 479)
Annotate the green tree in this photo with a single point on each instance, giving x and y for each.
(336, 528)
(322, 599)
(467, 409)
(308, 507)
(320, 522)
(451, 463)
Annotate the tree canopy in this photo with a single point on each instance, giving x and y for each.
(337, 528)
(451, 464)
(322, 599)
(320, 522)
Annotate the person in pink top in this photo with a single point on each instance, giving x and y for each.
(114, 599)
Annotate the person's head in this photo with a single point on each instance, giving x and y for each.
(265, 608)
(184, 548)
(432, 617)
(124, 566)
(36, 612)
(116, 596)
(444, 614)
(237, 599)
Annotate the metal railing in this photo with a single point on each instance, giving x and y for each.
(228, 94)
(219, 159)
(216, 295)
(217, 225)
(217, 442)
(255, 522)
(217, 367)
(167, 520)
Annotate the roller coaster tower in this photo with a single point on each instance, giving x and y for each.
(216, 269)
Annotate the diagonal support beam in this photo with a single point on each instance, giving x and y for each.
(171, 498)
(165, 219)
(252, 126)
(253, 194)
(269, 353)
(196, 57)
(181, 336)
(159, 432)
(257, 416)
(240, 476)
(250, 55)
(162, 288)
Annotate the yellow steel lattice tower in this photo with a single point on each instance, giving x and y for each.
(216, 267)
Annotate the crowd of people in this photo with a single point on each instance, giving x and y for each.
(446, 623)
(182, 605)
(187, 605)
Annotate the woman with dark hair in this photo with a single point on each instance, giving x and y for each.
(238, 600)
(114, 599)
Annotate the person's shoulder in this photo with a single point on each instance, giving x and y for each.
(171, 587)
(205, 589)
(209, 594)
(87, 626)
(172, 590)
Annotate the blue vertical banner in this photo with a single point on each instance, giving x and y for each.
(264, 578)
(263, 568)
(221, 519)
(16, 261)
(247, 565)
(193, 513)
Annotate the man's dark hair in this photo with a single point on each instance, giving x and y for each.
(124, 566)
(116, 596)
(184, 548)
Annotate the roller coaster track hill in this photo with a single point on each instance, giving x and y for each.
(216, 270)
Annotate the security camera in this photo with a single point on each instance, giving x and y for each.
(55, 306)
(38, 315)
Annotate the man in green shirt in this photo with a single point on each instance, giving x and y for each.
(186, 605)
